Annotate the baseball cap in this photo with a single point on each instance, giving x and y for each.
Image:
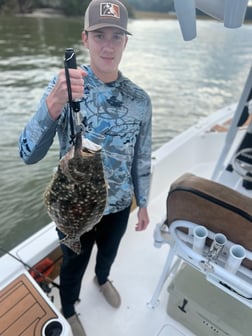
(101, 14)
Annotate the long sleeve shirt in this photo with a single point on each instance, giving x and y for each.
(115, 115)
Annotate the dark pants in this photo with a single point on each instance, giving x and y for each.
(107, 234)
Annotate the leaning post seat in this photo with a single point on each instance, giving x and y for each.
(213, 205)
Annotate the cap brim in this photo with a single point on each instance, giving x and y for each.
(104, 25)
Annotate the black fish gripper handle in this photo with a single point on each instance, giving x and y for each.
(70, 62)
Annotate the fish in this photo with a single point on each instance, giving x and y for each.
(76, 196)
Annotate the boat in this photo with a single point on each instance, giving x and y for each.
(167, 285)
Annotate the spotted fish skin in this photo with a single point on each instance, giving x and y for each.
(76, 197)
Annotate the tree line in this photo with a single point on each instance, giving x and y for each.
(67, 7)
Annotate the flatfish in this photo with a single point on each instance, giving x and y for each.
(77, 194)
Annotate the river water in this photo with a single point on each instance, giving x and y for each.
(186, 81)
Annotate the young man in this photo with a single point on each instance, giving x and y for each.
(117, 113)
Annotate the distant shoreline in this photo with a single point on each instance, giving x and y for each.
(43, 12)
(50, 12)
(139, 15)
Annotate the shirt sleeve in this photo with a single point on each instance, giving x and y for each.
(141, 169)
(38, 134)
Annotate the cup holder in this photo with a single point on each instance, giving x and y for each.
(53, 328)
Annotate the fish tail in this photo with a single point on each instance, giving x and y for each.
(73, 243)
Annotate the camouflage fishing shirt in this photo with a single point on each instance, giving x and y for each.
(117, 116)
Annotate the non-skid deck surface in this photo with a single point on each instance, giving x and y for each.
(23, 311)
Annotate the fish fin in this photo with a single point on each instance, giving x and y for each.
(73, 243)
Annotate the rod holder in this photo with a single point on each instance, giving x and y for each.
(200, 234)
(186, 14)
(217, 246)
(234, 13)
(236, 255)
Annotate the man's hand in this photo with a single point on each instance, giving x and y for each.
(59, 95)
(143, 219)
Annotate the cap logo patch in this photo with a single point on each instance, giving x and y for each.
(109, 9)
